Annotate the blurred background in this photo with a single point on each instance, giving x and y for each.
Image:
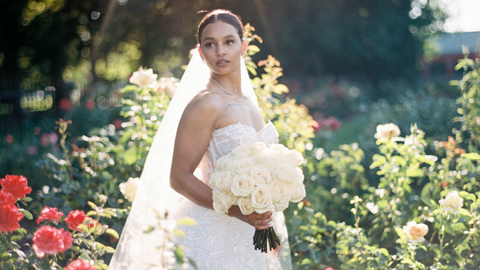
(353, 64)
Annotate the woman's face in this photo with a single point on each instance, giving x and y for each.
(221, 47)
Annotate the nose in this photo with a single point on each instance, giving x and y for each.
(220, 50)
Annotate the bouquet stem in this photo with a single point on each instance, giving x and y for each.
(264, 239)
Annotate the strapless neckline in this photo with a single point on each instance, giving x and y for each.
(241, 124)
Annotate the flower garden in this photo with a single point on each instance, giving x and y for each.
(413, 204)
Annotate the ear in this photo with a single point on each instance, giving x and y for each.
(200, 52)
(244, 47)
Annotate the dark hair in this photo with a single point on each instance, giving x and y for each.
(223, 15)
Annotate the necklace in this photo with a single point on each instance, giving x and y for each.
(236, 96)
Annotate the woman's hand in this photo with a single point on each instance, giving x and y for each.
(259, 221)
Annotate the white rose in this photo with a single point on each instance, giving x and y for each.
(220, 204)
(224, 163)
(144, 77)
(287, 173)
(258, 149)
(297, 191)
(245, 205)
(221, 180)
(242, 185)
(260, 175)
(129, 188)
(231, 199)
(280, 196)
(279, 149)
(270, 162)
(387, 131)
(242, 151)
(293, 157)
(261, 200)
(415, 232)
(452, 203)
(243, 165)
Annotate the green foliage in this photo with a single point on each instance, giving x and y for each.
(413, 186)
(470, 102)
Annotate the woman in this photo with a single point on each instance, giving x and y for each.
(218, 111)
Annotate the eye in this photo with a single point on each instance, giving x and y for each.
(209, 44)
(230, 41)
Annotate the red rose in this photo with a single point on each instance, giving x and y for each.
(49, 213)
(15, 185)
(9, 218)
(48, 240)
(75, 218)
(94, 224)
(80, 264)
(67, 240)
(6, 198)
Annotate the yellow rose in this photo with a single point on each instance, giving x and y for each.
(129, 188)
(221, 180)
(245, 205)
(452, 203)
(242, 185)
(387, 131)
(260, 175)
(261, 200)
(415, 232)
(144, 77)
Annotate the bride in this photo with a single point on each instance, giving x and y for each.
(213, 111)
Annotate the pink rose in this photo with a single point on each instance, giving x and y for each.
(15, 185)
(49, 213)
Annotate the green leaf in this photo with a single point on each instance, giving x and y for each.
(149, 229)
(27, 199)
(27, 214)
(112, 232)
(16, 237)
(99, 245)
(414, 172)
(76, 248)
(130, 155)
(129, 88)
(186, 221)
(471, 156)
(109, 249)
(92, 205)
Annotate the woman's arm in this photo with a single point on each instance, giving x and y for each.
(194, 132)
(193, 135)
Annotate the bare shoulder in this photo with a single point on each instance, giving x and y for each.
(204, 108)
(205, 102)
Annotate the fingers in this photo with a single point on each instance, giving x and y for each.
(262, 221)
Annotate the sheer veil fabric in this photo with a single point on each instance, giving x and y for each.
(138, 250)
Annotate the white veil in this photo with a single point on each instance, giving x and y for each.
(135, 248)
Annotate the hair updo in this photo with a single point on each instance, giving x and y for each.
(223, 15)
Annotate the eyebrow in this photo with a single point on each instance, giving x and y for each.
(229, 36)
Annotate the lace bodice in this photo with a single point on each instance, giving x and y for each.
(218, 241)
(225, 139)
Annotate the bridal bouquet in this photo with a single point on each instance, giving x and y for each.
(258, 178)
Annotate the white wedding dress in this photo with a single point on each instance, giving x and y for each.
(218, 241)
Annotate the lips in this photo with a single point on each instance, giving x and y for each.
(222, 62)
